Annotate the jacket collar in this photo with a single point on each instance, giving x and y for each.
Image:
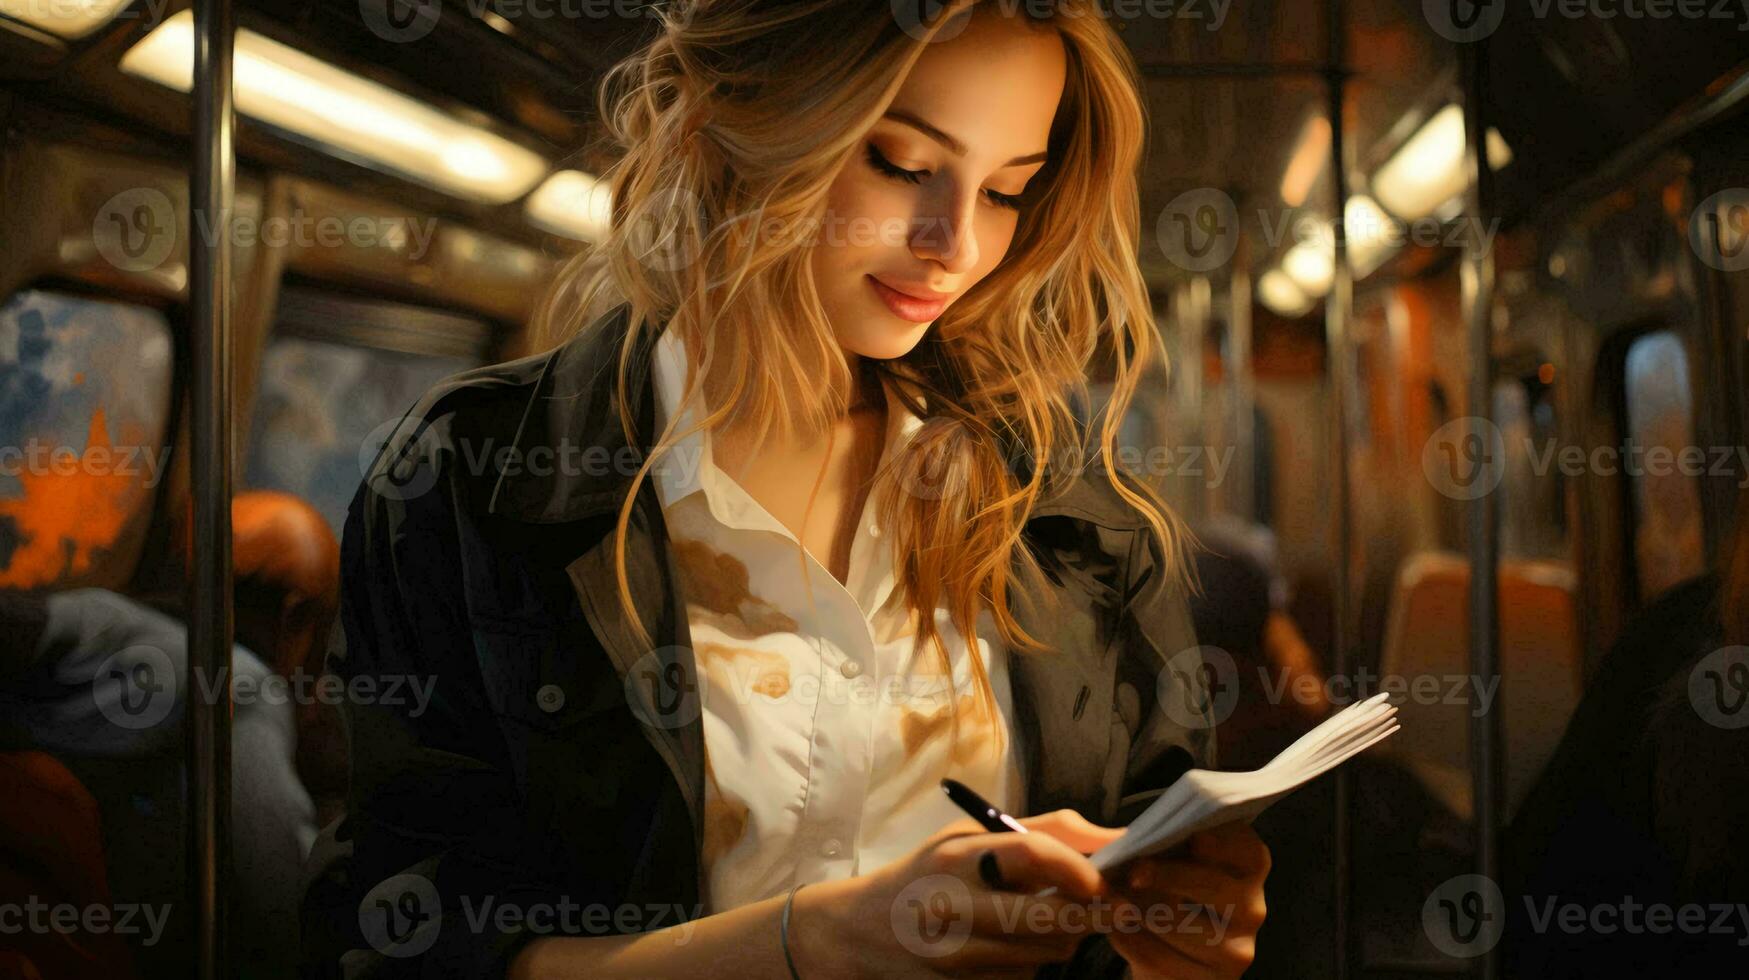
(574, 412)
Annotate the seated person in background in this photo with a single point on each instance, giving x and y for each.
(1242, 611)
(98, 681)
(1646, 799)
(287, 565)
(51, 850)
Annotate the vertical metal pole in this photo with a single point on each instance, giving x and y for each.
(1243, 499)
(1337, 312)
(1197, 299)
(211, 195)
(1484, 542)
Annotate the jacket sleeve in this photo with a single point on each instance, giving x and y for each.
(1164, 683)
(432, 841)
(1159, 684)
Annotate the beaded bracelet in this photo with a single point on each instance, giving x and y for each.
(783, 932)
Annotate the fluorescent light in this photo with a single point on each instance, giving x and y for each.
(1277, 291)
(1310, 155)
(1428, 170)
(1372, 235)
(351, 115)
(1311, 265)
(573, 204)
(70, 19)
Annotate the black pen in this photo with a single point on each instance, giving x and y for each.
(994, 820)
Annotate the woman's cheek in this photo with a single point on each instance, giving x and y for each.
(995, 235)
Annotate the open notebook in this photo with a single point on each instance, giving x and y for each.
(1202, 799)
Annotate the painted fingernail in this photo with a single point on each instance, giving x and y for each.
(989, 871)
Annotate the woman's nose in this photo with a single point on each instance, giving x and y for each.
(948, 234)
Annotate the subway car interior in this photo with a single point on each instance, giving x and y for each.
(1453, 298)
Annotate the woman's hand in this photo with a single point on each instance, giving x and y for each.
(933, 913)
(1199, 907)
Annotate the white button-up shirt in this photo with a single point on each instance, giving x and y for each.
(825, 744)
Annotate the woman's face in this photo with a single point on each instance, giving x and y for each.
(926, 207)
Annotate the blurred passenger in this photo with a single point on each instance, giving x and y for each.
(98, 681)
(287, 587)
(1242, 610)
(1646, 800)
(51, 852)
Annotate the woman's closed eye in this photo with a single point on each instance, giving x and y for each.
(881, 164)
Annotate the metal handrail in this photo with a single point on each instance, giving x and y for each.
(1337, 311)
(1484, 528)
(211, 201)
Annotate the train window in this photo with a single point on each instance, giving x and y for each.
(319, 403)
(82, 445)
(1533, 513)
(1659, 405)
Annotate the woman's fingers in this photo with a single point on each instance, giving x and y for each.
(1027, 862)
(1070, 827)
(1234, 846)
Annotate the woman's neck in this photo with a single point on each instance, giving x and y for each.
(867, 392)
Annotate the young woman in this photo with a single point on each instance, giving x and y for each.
(710, 597)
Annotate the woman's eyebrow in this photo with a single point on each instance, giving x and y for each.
(958, 148)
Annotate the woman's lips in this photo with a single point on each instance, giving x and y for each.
(906, 306)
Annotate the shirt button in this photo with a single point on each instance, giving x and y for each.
(850, 668)
(831, 847)
(874, 530)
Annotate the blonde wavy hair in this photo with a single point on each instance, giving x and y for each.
(733, 122)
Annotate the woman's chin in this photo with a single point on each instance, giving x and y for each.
(883, 337)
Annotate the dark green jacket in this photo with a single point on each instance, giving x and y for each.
(558, 761)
